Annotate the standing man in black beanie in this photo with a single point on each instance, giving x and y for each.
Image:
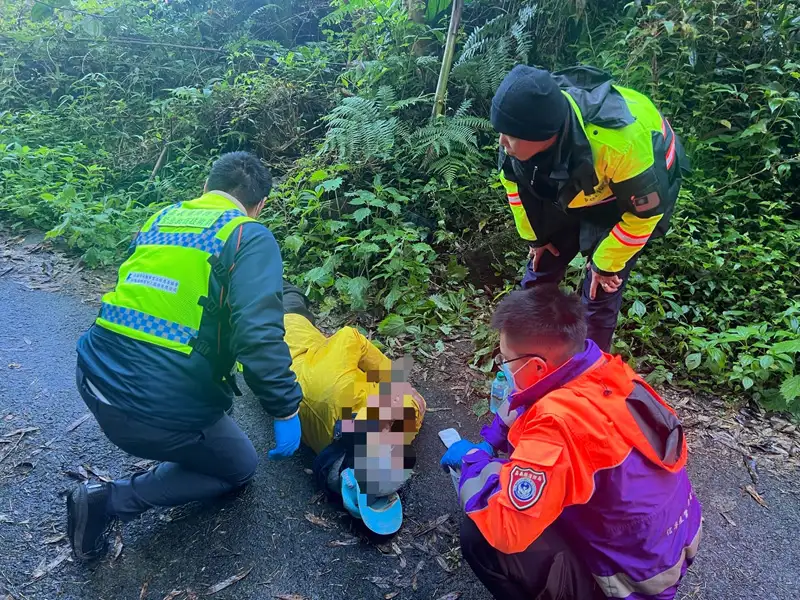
(588, 167)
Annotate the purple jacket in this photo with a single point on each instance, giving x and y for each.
(593, 447)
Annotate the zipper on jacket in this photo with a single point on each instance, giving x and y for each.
(533, 177)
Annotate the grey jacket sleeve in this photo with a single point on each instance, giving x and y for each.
(255, 298)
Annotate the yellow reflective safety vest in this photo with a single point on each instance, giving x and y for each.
(163, 287)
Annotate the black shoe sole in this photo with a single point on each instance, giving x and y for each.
(77, 517)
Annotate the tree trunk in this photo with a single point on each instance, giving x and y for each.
(416, 14)
(447, 59)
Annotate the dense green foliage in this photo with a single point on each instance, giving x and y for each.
(110, 109)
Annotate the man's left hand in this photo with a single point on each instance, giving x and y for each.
(608, 283)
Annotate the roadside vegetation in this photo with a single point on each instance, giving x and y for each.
(391, 217)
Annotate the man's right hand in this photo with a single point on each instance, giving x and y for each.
(536, 254)
(455, 453)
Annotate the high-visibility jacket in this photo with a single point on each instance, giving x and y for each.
(163, 286)
(201, 287)
(593, 447)
(618, 164)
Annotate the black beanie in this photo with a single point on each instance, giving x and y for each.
(529, 105)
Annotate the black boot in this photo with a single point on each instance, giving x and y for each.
(88, 524)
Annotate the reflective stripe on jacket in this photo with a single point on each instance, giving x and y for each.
(163, 286)
(616, 149)
(594, 447)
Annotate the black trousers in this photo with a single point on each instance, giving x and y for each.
(196, 465)
(602, 313)
(547, 570)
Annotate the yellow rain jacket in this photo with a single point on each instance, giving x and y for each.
(332, 372)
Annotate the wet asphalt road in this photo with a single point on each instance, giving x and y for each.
(752, 554)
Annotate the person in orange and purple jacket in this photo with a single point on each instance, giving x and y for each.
(591, 499)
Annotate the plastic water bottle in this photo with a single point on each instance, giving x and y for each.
(500, 390)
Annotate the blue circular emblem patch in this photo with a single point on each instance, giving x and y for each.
(524, 489)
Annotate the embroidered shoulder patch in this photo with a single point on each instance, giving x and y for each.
(525, 487)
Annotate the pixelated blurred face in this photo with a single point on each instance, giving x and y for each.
(384, 458)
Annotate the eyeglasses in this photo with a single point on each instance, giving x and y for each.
(499, 361)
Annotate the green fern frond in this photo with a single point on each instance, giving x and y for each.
(474, 123)
(448, 167)
(385, 96)
(406, 102)
(463, 110)
(482, 36)
(357, 128)
(428, 61)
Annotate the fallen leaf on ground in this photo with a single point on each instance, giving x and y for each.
(173, 594)
(728, 519)
(345, 542)
(391, 595)
(191, 594)
(143, 593)
(290, 597)
(311, 518)
(77, 423)
(756, 496)
(143, 465)
(378, 581)
(19, 431)
(423, 529)
(99, 473)
(443, 563)
(44, 567)
(308, 471)
(55, 539)
(752, 468)
(117, 546)
(451, 596)
(79, 473)
(228, 582)
(317, 497)
(384, 548)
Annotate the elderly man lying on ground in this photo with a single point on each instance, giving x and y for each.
(359, 414)
(579, 489)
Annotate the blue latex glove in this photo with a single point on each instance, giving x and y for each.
(455, 453)
(287, 437)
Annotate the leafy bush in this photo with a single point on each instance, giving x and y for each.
(108, 110)
(717, 300)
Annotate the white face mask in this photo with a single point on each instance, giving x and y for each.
(509, 378)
